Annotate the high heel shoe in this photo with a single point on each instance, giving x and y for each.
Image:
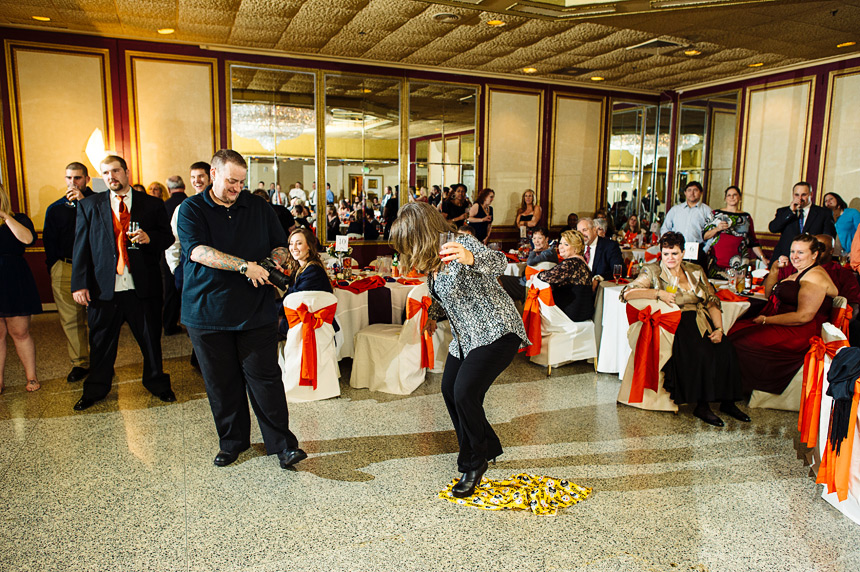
(465, 487)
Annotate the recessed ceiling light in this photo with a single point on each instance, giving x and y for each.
(756, 65)
(496, 23)
(366, 90)
(845, 44)
(42, 18)
(597, 78)
(165, 31)
(692, 53)
(530, 70)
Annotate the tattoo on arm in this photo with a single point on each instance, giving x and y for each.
(208, 256)
(280, 255)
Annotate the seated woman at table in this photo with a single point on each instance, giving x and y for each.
(703, 367)
(343, 211)
(730, 236)
(515, 286)
(772, 345)
(372, 228)
(332, 222)
(632, 230)
(305, 268)
(571, 279)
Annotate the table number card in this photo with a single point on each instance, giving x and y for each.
(691, 251)
(341, 244)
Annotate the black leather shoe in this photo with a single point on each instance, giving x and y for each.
(465, 487)
(706, 415)
(167, 396)
(77, 374)
(732, 409)
(85, 403)
(289, 457)
(224, 458)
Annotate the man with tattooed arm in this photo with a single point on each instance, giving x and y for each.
(231, 312)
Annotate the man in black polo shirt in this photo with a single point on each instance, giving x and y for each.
(231, 311)
(59, 241)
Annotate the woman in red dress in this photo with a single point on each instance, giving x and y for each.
(772, 345)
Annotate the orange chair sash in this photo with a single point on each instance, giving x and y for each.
(646, 364)
(810, 396)
(531, 271)
(835, 470)
(414, 306)
(841, 317)
(310, 321)
(531, 317)
(651, 257)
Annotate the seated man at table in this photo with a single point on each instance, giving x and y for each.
(601, 254)
(515, 286)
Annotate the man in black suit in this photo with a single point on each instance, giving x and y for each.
(800, 216)
(120, 282)
(601, 254)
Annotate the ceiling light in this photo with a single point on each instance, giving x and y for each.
(692, 53)
(530, 70)
(845, 44)
(496, 23)
(756, 65)
(42, 18)
(597, 78)
(366, 90)
(165, 31)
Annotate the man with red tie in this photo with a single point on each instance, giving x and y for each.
(116, 275)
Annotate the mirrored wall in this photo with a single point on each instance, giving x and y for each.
(638, 160)
(707, 144)
(273, 125)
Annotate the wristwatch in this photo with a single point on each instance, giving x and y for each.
(243, 268)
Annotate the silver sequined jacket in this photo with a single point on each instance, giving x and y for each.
(478, 309)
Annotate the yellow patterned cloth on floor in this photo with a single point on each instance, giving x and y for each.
(539, 494)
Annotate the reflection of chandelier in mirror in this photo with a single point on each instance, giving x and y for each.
(630, 142)
(269, 124)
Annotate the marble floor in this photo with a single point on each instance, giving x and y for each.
(129, 484)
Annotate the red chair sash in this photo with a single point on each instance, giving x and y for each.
(531, 271)
(414, 306)
(646, 364)
(651, 257)
(531, 317)
(810, 396)
(310, 321)
(841, 317)
(835, 470)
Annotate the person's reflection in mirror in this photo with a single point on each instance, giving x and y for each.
(389, 215)
(332, 222)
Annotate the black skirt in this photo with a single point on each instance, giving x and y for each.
(700, 370)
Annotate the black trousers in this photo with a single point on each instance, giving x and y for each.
(172, 298)
(236, 362)
(464, 384)
(105, 319)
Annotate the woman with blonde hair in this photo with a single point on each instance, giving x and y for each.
(529, 213)
(157, 190)
(463, 279)
(571, 279)
(19, 298)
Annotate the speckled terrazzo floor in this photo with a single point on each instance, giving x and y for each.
(130, 485)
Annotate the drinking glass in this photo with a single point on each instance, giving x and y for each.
(616, 272)
(132, 228)
(673, 285)
(444, 238)
(70, 203)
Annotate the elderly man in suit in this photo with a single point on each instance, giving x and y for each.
(120, 282)
(601, 254)
(800, 216)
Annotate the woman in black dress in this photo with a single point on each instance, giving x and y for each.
(19, 298)
(529, 213)
(481, 215)
(703, 367)
(571, 279)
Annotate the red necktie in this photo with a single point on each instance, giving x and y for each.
(120, 227)
(587, 254)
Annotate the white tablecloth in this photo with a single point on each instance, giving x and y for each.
(610, 327)
(352, 313)
(515, 269)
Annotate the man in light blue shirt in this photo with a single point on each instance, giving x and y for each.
(329, 195)
(689, 217)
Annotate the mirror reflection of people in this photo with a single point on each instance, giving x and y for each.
(487, 329)
(704, 366)
(456, 208)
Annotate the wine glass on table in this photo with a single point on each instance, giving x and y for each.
(133, 227)
(444, 238)
(616, 272)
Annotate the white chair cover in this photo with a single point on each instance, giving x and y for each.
(290, 356)
(388, 356)
(442, 337)
(563, 340)
(659, 400)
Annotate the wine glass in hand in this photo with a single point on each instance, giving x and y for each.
(444, 238)
(133, 227)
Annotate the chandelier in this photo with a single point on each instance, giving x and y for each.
(269, 124)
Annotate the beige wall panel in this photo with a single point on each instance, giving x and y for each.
(842, 161)
(174, 117)
(773, 161)
(452, 158)
(513, 130)
(722, 154)
(576, 158)
(61, 104)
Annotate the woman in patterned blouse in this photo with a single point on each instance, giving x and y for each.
(571, 279)
(486, 327)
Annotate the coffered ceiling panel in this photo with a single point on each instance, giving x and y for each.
(729, 35)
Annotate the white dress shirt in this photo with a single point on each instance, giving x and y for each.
(124, 281)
